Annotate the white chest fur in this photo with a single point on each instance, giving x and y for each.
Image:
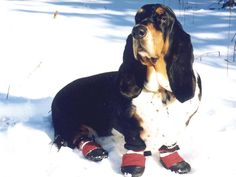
(163, 120)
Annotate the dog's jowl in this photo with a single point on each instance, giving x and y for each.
(149, 100)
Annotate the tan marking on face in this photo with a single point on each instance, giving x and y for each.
(160, 48)
(160, 10)
(156, 38)
(160, 66)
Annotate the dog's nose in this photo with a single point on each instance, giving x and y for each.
(139, 31)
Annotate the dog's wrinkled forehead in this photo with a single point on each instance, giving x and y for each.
(153, 13)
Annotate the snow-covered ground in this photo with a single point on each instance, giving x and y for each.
(46, 44)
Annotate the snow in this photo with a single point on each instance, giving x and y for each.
(46, 44)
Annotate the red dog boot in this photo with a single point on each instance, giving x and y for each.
(133, 164)
(171, 159)
(92, 150)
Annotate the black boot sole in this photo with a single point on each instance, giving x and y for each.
(97, 155)
(180, 168)
(134, 171)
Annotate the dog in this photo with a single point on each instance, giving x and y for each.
(149, 100)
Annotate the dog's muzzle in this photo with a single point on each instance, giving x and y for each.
(142, 45)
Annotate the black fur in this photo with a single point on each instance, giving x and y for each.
(179, 69)
(132, 74)
(95, 102)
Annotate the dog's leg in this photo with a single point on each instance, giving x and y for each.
(133, 161)
(173, 128)
(171, 159)
(90, 149)
(169, 151)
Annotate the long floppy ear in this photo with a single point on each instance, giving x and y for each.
(131, 72)
(179, 64)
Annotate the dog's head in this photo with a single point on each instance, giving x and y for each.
(153, 24)
(158, 35)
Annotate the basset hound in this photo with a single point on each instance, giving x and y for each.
(149, 100)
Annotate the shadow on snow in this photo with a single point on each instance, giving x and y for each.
(33, 113)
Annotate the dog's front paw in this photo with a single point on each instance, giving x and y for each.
(171, 160)
(133, 164)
